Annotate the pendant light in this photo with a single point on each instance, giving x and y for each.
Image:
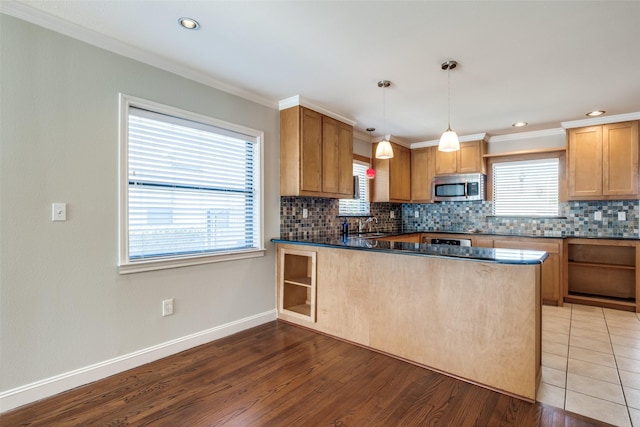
(371, 172)
(449, 140)
(384, 150)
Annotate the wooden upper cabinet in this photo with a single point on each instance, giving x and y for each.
(400, 170)
(620, 159)
(470, 157)
(446, 162)
(316, 154)
(393, 176)
(423, 169)
(603, 162)
(310, 151)
(466, 160)
(345, 159)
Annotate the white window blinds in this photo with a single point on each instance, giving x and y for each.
(526, 188)
(359, 206)
(193, 188)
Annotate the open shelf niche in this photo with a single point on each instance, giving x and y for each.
(603, 273)
(297, 283)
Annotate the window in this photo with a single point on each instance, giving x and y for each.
(359, 206)
(526, 187)
(190, 188)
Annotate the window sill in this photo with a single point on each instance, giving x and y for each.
(165, 263)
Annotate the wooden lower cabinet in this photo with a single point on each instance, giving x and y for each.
(604, 273)
(408, 238)
(551, 268)
(432, 311)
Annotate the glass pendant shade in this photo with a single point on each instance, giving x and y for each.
(371, 173)
(384, 150)
(449, 141)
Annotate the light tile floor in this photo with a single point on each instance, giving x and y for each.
(591, 362)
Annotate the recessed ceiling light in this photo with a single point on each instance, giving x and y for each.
(519, 124)
(189, 24)
(595, 113)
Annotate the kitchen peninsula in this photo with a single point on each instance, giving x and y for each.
(472, 313)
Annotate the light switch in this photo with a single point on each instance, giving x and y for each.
(58, 212)
(622, 216)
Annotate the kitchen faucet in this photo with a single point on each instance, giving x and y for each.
(369, 220)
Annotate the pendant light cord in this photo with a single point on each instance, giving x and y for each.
(449, 87)
(384, 108)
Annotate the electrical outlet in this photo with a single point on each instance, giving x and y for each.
(622, 216)
(597, 216)
(392, 214)
(305, 213)
(416, 214)
(167, 307)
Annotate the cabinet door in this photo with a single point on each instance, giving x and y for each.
(345, 159)
(482, 242)
(446, 162)
(470, 158)
(400, 174)
(422, 172)
(330, 156)
(585, 162)
(620, 159)
(310, 150)
(551, 277)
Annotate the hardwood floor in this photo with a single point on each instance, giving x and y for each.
(282, 375)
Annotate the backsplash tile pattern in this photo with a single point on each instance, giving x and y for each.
(323, 217)
(578, 219)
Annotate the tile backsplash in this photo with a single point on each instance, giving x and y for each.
(322, 217)
(576, 218)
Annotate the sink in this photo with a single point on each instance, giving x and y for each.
(371, 234)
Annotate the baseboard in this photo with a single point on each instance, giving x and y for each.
(48, 387)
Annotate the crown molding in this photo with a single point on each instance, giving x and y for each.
(362, 136)
(78, 32)
(602, 120)
(304, 102)
(527, 135)
(464, 138)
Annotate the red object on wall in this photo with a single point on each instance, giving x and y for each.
(371, 173)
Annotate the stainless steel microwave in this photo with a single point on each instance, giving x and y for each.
(459, 188)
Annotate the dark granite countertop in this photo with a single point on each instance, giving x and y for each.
(502, 256)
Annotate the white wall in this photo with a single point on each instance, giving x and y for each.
(528, 141)
(362, 148)
(63, 304)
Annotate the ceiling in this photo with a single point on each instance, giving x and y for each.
(542, 62)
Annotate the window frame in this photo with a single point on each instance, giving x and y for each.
(362, 161)
(125, 264)
(560, 154)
